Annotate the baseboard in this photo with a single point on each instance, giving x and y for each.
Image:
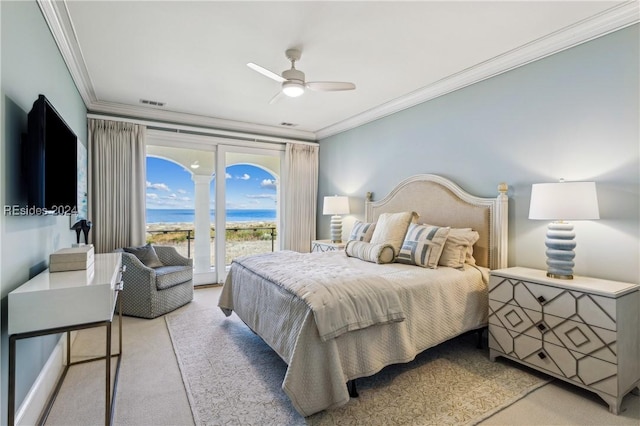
(36, 399)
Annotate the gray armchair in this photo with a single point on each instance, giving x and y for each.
(151, 292)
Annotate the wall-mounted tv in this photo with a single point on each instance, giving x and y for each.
(50, 161)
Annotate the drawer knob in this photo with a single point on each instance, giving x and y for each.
(542, 355)
(542, 327)
(541, 299)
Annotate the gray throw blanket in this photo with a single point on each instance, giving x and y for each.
(341, 298)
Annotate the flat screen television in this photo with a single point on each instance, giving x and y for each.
(50, 161)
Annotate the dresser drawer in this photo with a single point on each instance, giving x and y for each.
(575, 336)
(558, 360)
(590, 309)
(581, 338)
(517, 292)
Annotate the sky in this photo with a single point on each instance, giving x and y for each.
(169, 186)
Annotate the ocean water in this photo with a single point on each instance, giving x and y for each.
(188, 215)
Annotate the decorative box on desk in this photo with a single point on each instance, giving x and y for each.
(326, 245)
(583, 331)
(72, 259)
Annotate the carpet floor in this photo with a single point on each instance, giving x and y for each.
(232, 377)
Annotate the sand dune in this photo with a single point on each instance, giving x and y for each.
(234, 247)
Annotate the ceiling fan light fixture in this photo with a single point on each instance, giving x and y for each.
(293, 89)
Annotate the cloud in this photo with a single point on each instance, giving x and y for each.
(227, 176)
(152, 196)
(268, 183)
(160, 186)
(267, 196)
(182, 191)
(244, 177)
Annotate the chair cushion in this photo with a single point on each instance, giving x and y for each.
(146, 254)
(168, 276)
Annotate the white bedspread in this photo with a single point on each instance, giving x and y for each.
(438, 305)
(342, 298)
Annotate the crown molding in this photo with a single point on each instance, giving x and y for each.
(166, 116)
(611, 20)
(57, 17)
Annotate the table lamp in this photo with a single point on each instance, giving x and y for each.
(336, 206)
(559, 202)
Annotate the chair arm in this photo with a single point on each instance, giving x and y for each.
(169, 256)
(136, 271)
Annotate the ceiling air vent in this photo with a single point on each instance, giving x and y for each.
(285, 124)
(152, 103)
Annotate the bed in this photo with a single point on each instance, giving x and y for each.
(425, 307)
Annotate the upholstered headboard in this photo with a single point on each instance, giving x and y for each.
(441, 202)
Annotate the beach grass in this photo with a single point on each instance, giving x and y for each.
(242, 238)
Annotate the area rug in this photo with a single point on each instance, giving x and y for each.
(233, 378)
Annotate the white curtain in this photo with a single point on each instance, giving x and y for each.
(117, 181)
(300, 197)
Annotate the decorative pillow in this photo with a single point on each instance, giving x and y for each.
(146, 254)
(458, 249)
(391, 229)
(423, 245)
(362, 231)
(376, 253)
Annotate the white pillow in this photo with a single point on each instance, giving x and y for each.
(376, 253)
(391, 229)
(423, 245)
(458, 249)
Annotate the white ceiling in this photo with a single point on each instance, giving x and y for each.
(192, 55)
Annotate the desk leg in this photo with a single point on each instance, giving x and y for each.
(119, 326)
(12, 382)
(107, 409)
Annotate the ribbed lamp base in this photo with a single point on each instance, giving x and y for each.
(560, 243)
(336, 229)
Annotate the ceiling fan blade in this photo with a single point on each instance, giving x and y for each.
(276, 98)
(272, 75)
(330, 86)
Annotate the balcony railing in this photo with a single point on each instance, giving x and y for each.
(240, 241)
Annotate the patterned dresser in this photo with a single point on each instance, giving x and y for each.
(584, 331)
(320, 246)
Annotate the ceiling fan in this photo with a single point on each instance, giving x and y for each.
(293, 83)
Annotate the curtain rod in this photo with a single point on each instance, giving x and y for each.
(195, 130)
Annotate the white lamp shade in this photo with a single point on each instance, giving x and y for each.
(564, 201)
(335, 205)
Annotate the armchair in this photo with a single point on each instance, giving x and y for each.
(151, 292)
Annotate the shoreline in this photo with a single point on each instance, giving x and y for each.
(185, 226)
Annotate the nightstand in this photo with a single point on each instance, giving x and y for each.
(320, 246)
(583, 331)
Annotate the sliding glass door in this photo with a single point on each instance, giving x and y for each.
(250, 194)
(213, 217)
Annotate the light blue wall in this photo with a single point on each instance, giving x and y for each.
(31, 65)
(573, 115)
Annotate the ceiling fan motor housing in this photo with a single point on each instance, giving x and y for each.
(293, 75)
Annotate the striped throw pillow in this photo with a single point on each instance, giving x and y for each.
(362, 231)
(423, 245)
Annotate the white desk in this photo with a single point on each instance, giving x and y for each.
(58, 302)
